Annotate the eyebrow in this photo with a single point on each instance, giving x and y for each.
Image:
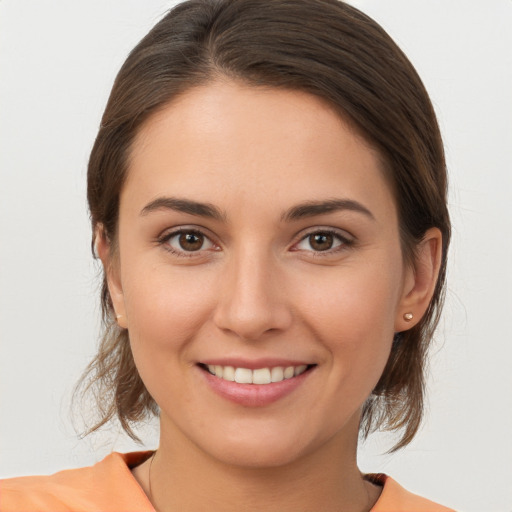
(300, 211)
(186, 206)
(314, 208)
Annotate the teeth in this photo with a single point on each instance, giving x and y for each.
(243, 376)
(289, 372)
(228, 373)
(277, 374)
(261, 376)
(258, 376)
(299, 369)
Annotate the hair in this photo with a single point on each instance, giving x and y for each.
(326, 48)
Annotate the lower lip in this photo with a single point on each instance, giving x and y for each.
(254, 395)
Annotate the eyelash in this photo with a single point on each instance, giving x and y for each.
(164, 241)
(345, 242)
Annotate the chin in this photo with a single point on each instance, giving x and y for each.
(261, 448)
(257, 455)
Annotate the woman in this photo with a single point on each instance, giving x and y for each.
(268, 199)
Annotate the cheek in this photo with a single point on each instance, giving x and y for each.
(353, 314)
(165, 311)
(367, 296)
(165, 307)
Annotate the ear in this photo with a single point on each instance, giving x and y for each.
(105, 252)
(420, 281)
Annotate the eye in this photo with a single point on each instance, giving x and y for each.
(322, 241)
(187, 241)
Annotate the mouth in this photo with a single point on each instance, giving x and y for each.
(259, 376)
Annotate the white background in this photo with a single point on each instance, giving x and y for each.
(57, 63)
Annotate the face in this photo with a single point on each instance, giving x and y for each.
(259, 272)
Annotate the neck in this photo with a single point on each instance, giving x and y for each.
(183, 477)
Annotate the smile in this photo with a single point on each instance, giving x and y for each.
(263, 383)
(256, 376)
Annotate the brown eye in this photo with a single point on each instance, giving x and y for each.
(321, 241)
(187, 242)
(191, 241)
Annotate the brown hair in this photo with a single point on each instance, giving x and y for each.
(326, 48)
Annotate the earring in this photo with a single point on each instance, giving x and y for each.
(408, 317)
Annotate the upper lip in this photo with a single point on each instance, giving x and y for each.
(254, 364)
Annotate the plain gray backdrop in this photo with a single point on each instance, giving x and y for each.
(58, 60)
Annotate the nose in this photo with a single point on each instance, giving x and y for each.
(252, 299)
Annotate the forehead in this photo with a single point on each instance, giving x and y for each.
(226, 138)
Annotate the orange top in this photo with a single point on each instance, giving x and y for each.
(109, 486)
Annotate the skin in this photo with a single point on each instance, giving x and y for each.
(256, 288)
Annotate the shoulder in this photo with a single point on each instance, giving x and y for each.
(107, 486)
(394, 498)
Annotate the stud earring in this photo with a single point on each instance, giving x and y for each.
(408, 317)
